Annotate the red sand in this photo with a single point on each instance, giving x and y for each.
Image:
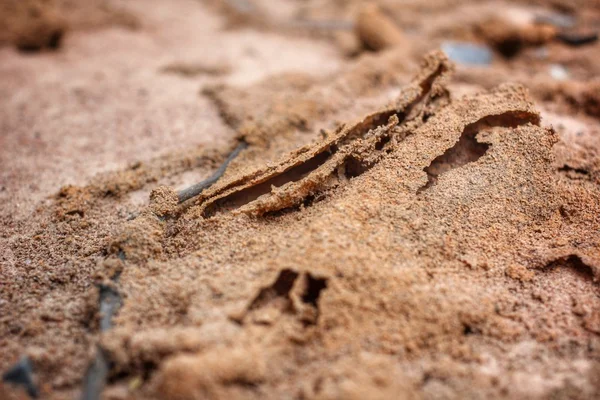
(398, 226)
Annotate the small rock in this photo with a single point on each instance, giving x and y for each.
(509, 38)
(22, 374)
(559, 20)
(558, 72)
(376, 30)
(467, 53)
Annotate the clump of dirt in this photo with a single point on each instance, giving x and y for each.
(376, 30)
(509, 39)
(163, 201)
(33, 25)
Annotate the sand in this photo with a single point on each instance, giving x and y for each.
(395, 225)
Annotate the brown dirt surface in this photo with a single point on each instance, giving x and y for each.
(377, 221)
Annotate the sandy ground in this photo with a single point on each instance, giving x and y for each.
(396, 224)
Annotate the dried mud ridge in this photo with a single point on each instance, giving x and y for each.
(306, 174)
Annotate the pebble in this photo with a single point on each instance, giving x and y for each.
(22, 374)
(556, 19)
(558, 72)
(468, 53)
